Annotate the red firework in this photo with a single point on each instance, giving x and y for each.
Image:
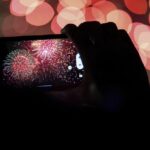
(20, 67)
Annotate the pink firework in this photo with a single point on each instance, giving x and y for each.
(54, 55)
(44, 49)
(20, 67)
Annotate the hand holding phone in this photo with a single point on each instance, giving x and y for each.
(113, 64)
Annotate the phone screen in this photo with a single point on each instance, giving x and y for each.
(44, 62)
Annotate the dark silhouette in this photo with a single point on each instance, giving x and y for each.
(113, 64)
(115, 79)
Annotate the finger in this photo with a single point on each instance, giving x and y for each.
(90, 30)
(109, 30)
(97, 32)
(70, 31)
(81, 41)
(99, 36)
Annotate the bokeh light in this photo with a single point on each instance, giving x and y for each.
(140, 35)
(136, 6)
(121, 18)
(99, 10)
(28, 3)
(93, 13)
(140, 28)
(131, 33)
(105, 6)
(144, 42)
(54, 26)
(73, 3)
(70, 15)
(17, 9)
(41, 15)
(23, 7)
(59, 7)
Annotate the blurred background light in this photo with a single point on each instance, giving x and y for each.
(121, 18)
(73, 3)
(105, 6)
(41, 15)
(70, 15)
(59, 7)
(17, 9)
(94, 14)
(23, 7)
(28, 3)
(144, 42)
(136, 6)
(138, 29)
(131, 33)
(140, 35)
(54, 26)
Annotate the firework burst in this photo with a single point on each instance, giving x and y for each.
(44, 49)
(20, 67)
(54, 55)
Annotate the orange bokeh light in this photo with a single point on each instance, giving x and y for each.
(41, 15)
(140, 35)
(17, 9)
(136, 6)
(105, 6)
(59, 7)
(54, 26)
(121, 18)
(139, 28)
(70, 15)
(98, 10)
(23, 7)
(144, 42)
(73, 3)
(131, 33)
(28, 3)
(94, 14)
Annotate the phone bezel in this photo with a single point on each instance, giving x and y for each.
(33, 37)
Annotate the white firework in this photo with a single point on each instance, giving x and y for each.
(44, 49)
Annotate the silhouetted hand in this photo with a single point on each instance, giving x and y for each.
(112, 64)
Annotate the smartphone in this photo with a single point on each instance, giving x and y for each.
(50, 61)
